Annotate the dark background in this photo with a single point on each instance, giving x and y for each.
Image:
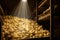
(55, 19)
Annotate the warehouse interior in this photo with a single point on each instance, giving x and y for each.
(40, 12)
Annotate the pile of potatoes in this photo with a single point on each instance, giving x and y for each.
(15, 27)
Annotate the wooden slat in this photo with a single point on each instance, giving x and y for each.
(1, 10)
(45, 14)
(43, 3)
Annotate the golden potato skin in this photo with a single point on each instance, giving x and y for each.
(22, 28)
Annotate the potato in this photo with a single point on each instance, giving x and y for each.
(23, 28)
